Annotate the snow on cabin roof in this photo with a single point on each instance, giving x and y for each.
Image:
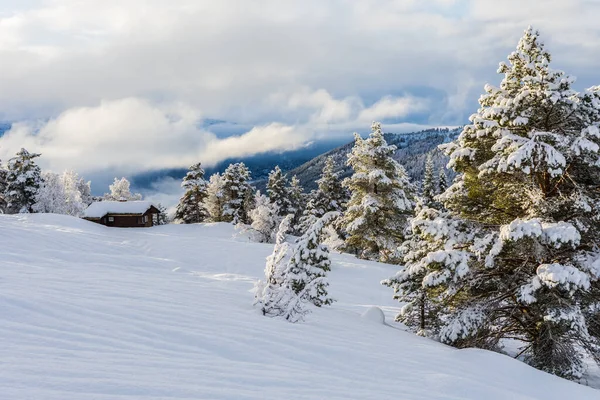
(101, 208)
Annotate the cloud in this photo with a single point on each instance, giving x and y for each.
(133, 135)
(225, 57)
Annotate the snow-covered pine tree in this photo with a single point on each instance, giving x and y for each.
(3, 174)
(191, 208)
(22, 182)
(302, 279)
(265, 218)
(297, 199)
(277, 189)
(442, 181)
(329, 196)
(163, 215)
(215, 199)
(530, 163)
(50, 197)
(120, 191)
(238, 193)
(429, 191)
(380, 202)
(267, 293)
(437, 250)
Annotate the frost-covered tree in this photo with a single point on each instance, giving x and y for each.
(163, 215)
(329, 196)
(120, 191)
(302, 278)
(278, 191)
(238, 194)
(50, 197)
(77, 196)
(267, 292)
(442, 181)
(437, 250)
(429, 190)
(297, 199)
(191, 208)
(526, 263)
(3, 174)
(215, 199)
(265, 218)
(23, 180)
(380, 201)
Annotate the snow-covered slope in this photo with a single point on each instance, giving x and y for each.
(90, 312)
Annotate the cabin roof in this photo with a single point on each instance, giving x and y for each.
(100, 208)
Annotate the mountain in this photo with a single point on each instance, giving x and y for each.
(91, 312)
(412, 150)
(260, 165)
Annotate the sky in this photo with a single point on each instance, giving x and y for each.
(133, 85)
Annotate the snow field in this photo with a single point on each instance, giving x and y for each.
(90, 312)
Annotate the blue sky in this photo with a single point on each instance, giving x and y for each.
(125, 85)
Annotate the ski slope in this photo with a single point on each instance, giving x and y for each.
(90, 312)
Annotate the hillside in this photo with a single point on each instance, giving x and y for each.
(90, 312)
(412, 152)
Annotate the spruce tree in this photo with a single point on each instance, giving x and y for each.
(528, 203)
(267, 292)
(277, 189)
(380, 201)
(429, 191)
(442, 181)
(23, 180)
(191, 208)
(238, 194)
(293, 281)
(3, 183)
(297, 202)
(329, 196)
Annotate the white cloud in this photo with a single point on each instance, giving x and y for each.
(225, 57)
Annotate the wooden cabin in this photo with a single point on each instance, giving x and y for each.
(123, 214)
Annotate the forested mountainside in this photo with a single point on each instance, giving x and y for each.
(411, 153)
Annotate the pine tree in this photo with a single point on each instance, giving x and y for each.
(442, 181)
(238, 194)
(120, 191)
(437, 249)
(215, 199)
(429, 182)
(329, 196)
(265, 218)
(301, 279)
(191, 208)
(163, 216)
(22, 182)
(267, 293)
(277, 189)
(3, 184)
(380, 202)
(525, 205)
(297, 197)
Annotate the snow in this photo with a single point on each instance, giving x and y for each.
(91, 312)
(101, 208)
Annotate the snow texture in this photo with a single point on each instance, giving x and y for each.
(91, 312)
